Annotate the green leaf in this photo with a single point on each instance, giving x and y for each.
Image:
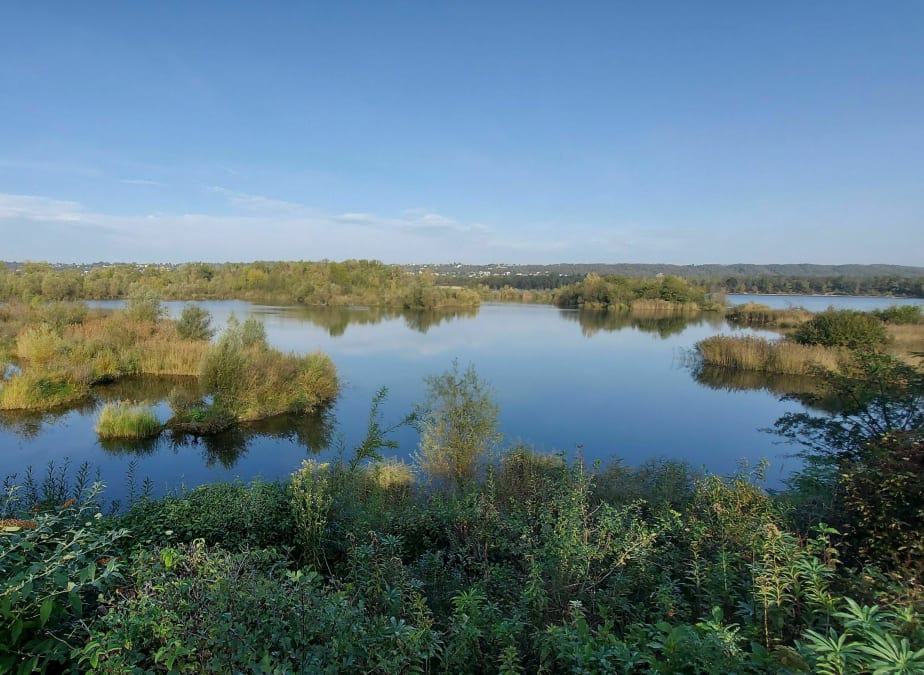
(45, 611)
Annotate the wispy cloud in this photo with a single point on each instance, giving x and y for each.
(32, 208)
(141, 181)
(263, 228)
(256, 203)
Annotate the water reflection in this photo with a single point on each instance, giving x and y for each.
(149, 390)
(335, 320)
(809, 391)
(29, 424)
(312, 432)
(661, 323)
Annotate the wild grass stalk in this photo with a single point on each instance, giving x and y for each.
(760, 354)
(126, 420)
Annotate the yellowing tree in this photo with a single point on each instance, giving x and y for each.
(458, 425)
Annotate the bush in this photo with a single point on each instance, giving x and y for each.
(842, 328)
(900, 314)
(144, 304)
(195, 323)
(53, 566)
(231, 515)
(205, 610)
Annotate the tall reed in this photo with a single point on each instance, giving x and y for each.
(760, 354)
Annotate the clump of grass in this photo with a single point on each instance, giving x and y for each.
(392, 476)
(40, 391)
(125, 420)
(757, 315)
(760, 354)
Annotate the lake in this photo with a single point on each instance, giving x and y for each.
(587, 383)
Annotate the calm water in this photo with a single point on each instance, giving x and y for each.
(600, 385)
(819, 303)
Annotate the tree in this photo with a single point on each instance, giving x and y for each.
(195, 324)
(144, 304)
(458, 425)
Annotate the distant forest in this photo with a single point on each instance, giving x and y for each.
(427, 286)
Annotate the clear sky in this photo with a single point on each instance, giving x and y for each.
(677, 132)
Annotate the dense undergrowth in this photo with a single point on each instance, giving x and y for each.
(533, 563)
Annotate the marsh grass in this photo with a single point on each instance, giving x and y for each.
(126, 420)
(760, 354)
(905, 339)
(251, 381)
(757, 315)
(62, 351)
(658, 307)
(40, 391)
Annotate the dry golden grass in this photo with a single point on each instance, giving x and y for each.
(905, 339)
(61, 360)
(760, 354)
(656, 307)
(39, 345)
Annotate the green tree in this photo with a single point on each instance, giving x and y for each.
(144, 304)
(458, 425)
(195, 323)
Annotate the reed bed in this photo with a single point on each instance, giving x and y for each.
(655, 306)
(171, 357)
(757, 315)
(40, 391)
(126, 420)
(759, 354)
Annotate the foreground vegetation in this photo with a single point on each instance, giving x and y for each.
(517, 563)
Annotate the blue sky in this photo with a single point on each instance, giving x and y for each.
(678, 132)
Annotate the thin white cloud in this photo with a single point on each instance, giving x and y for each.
(255, 203)
(140, 181)
(33, 208)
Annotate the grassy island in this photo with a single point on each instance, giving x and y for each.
(61, 352)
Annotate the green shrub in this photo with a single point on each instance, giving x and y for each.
(144, 304)
(231, 515)
(205, 610)
(195, 323)
(53, 566)
(126, 420)
(900, 314)
(842, 328)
